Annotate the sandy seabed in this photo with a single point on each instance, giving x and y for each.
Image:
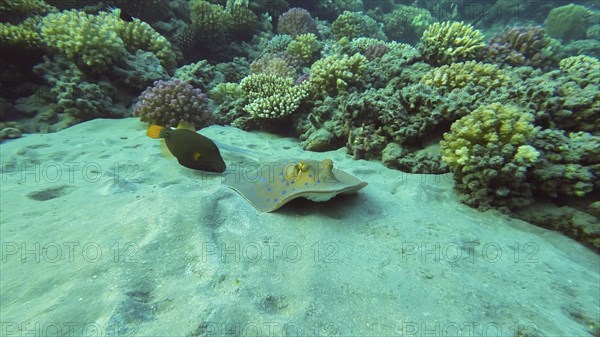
(104, 236)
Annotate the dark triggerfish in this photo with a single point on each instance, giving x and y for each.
(191, 149)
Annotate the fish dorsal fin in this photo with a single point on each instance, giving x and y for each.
(186, 125)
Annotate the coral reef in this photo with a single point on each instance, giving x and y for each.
(489, 155)
(406, 23)
(448, 42)
(584, 70)
(522, 46)
(569, 163)
(210, 22)
(352, 25)
(305, 47)
(334, 74)
(270, 96)
(296, 21)
(169, 102)
(23, 35)
(94, 42)
(568, 22)
(459, 75)
(273, 64)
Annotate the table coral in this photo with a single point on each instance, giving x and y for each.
(448, 42)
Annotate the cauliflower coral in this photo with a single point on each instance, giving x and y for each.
(169, 102)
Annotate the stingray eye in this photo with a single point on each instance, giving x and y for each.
(327, 165)
(302, 166)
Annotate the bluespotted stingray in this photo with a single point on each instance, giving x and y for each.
(268, 186)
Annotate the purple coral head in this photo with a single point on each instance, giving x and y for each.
(169, 102)
(296, 21)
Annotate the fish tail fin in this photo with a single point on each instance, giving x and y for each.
(154, 131)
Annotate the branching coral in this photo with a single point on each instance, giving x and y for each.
(169, 102)
(521, 46)
(582, 69)
(90, 40)
(459, 75)
(23, 35)
(448, 42)
(273, 64)
(296, 21)
(94, 42)
(210, 22)
(568, 22)
(352, 25)
(24, 8)
(489, 154)
(270, 96)
(406, 23)
(305, 47)
(333, 74)
(569, 163)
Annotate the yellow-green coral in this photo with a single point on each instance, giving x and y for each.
(305, 47)
(491, 127)
(24, 34)
(91, 39)
(272, 64)
(209, 21)
(406, 23)
(568, 22)
(459, 75)
(449, 42)
(96, 41)
(140, 35)
(352, 25)
(490, 155)
(270, 96)
(25, 7)
(333, 74)
(582, 69)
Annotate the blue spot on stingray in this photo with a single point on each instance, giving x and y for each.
(287, 184)
(275, 200)
(310, 175)
(283, 179)
(268, 188)
(305, 184)
(293, 189)
(293, 181)
(280, 173)
(318, 181)
(263, 180)
(283, 192)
